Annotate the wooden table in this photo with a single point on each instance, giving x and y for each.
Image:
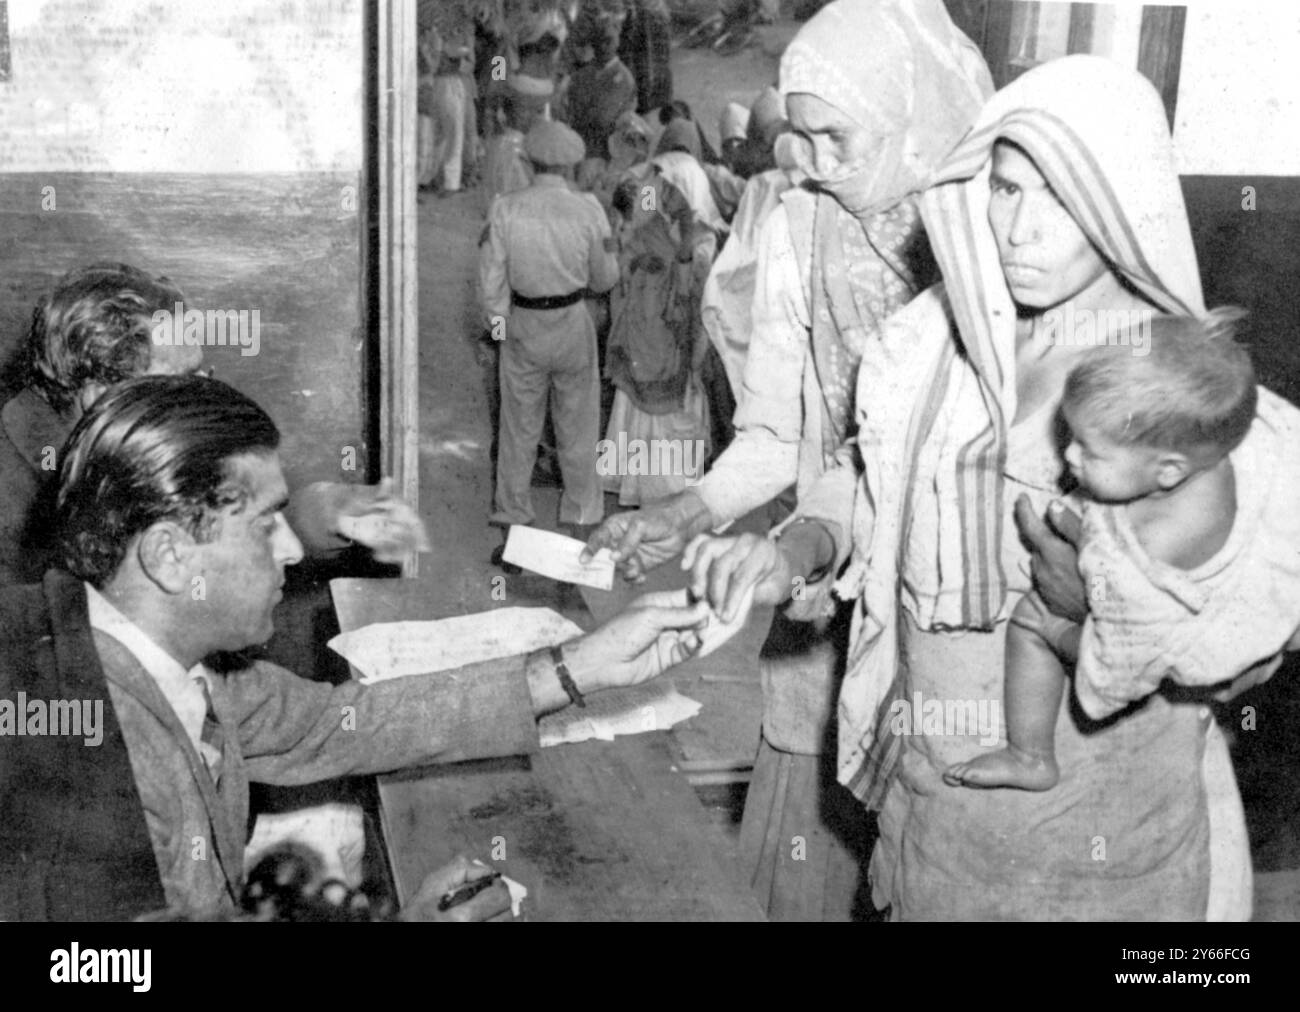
(596, 831)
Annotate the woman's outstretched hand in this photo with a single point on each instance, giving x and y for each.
(640, 540)
(724, 571)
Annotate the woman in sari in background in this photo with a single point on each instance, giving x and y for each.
(629, 158)
(679, 152)
(1063, 204)
(678, 158)
(656, 345)
(839, 256)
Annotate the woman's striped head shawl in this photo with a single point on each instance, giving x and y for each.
(1097, 132)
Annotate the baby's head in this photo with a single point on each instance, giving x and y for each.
(1144, 424)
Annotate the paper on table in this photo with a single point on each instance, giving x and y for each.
(518, 893)
(556, 556)
(394, 649)
(652, 706)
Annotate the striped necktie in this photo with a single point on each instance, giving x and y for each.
(212, 735)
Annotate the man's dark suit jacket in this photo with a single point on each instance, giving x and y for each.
(74, 841)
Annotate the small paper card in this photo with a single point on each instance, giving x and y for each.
(556, 556)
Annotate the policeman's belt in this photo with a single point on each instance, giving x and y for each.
(547, 301)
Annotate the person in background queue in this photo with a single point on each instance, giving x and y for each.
(546, 248)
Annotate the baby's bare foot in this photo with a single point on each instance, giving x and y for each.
(1008, 767)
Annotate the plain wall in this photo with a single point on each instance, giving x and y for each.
(222, 145)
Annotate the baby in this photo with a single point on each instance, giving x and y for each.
(1189, 546)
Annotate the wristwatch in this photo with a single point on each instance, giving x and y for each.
(566, 679)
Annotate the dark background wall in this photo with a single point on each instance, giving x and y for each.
(220, 145)
(1252, 259)
(287, 245)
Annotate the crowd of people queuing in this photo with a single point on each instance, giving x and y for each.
(858, 306)
(635, 349)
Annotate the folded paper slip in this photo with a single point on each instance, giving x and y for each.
(394, 649)
(651, 706)
(557, 556)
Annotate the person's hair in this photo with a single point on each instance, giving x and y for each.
(545, 45)
(676, 109)
(624, 198)
(153, 448)
(521, 111)
(94, 327)
(1194, 389)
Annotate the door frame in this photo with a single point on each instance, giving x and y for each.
(394, 207)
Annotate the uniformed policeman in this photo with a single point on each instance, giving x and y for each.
(546, 248)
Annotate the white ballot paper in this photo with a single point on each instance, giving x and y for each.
(651, 706)
(556, 556)
(394, 649)
(717, 632)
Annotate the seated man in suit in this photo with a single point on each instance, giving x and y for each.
(96, 327)
(170, 525)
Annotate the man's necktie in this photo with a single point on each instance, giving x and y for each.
(212, 735)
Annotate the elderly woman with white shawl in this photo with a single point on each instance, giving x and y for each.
(1064, 197)
(879, 93)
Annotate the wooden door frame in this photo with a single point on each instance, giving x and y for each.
(988, 23)
(397, 274)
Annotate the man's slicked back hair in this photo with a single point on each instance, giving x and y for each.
(153, 448)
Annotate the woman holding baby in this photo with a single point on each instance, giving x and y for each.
(1061, 203)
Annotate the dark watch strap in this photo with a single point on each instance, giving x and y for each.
(566, 679)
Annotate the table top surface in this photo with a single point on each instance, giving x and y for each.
(596, 831)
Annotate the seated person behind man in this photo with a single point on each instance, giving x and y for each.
(92, 331)
(169, 517)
